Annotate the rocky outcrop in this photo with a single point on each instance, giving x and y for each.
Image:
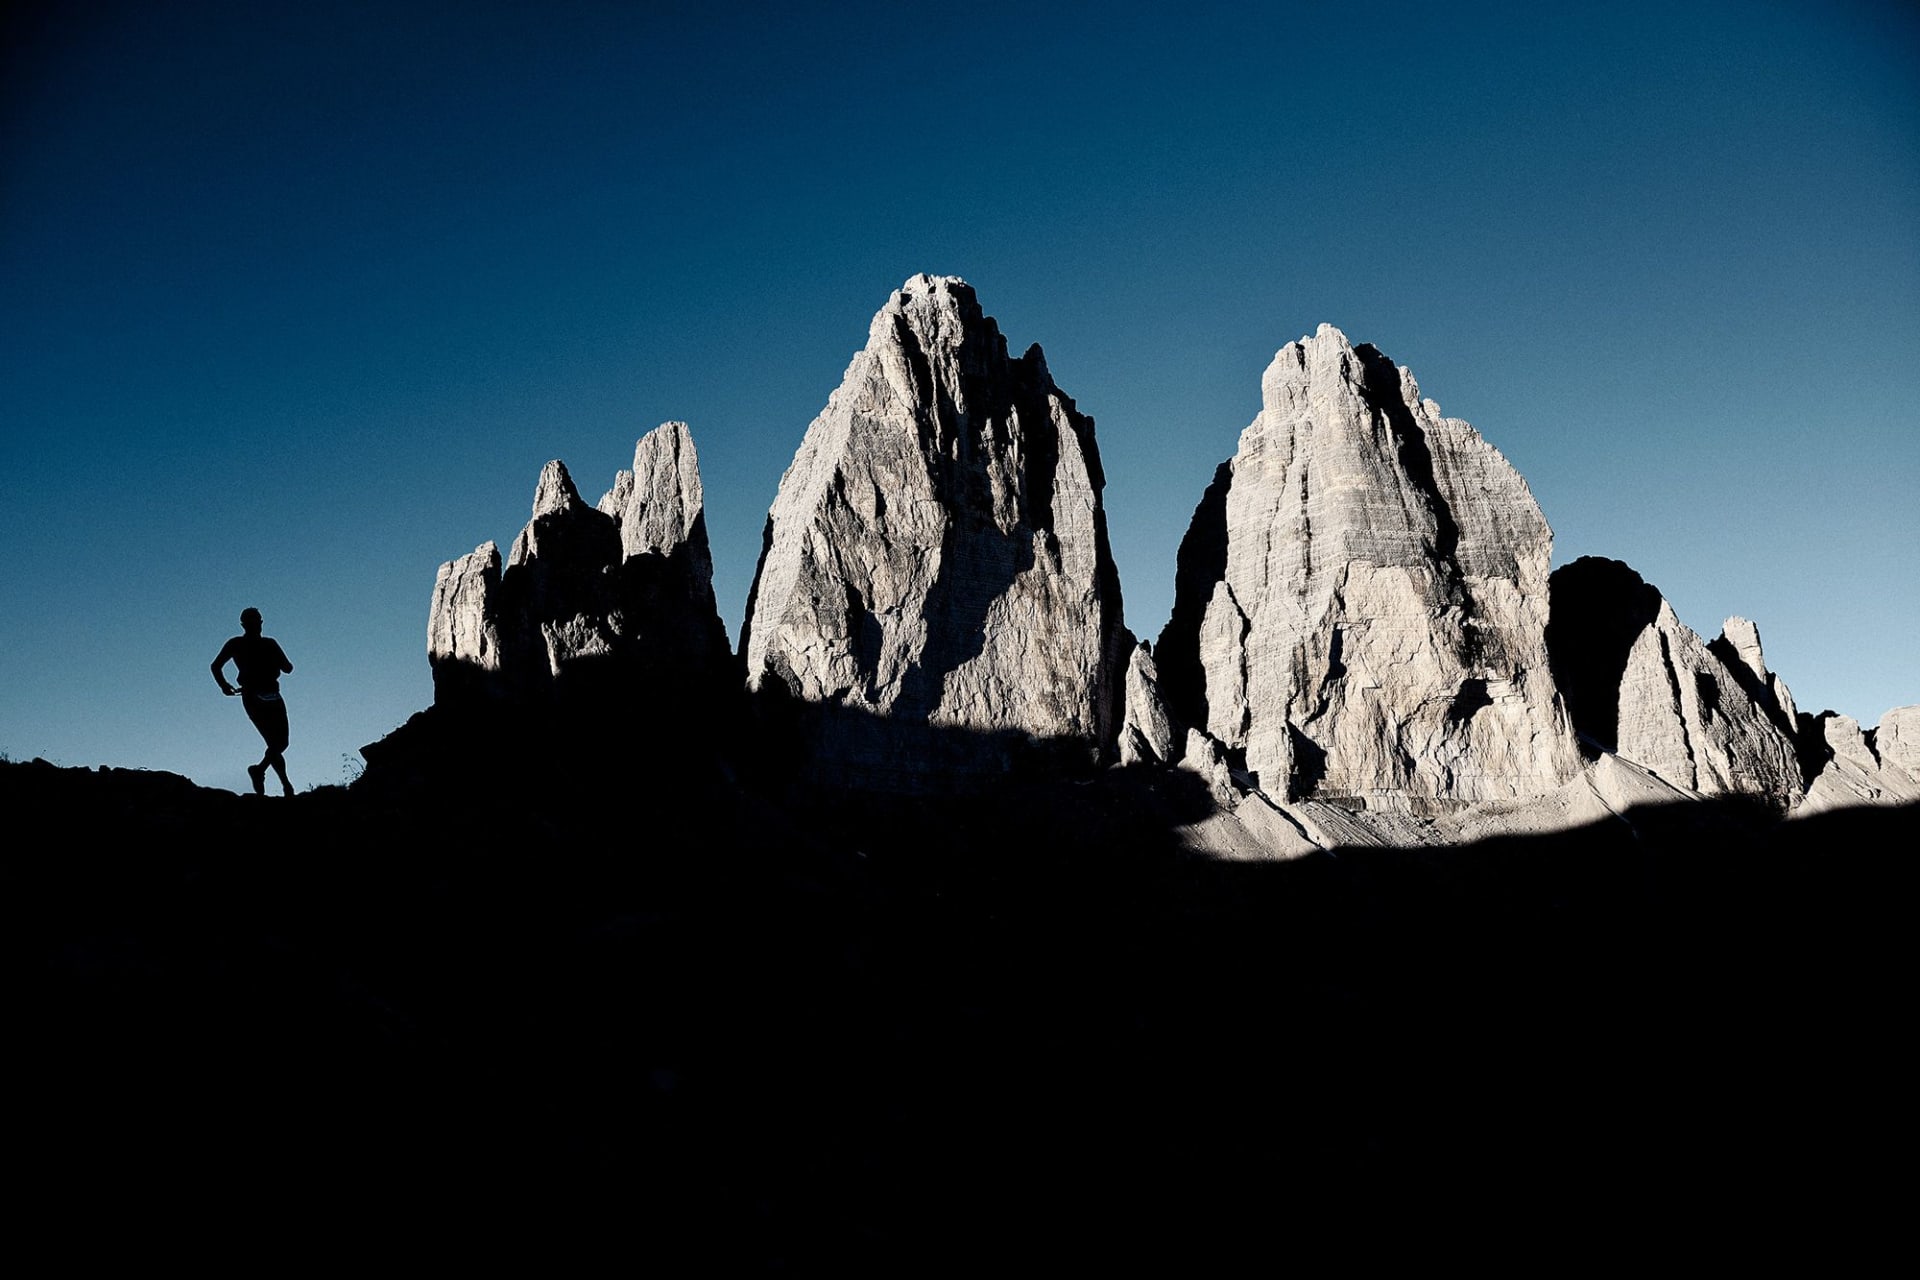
(1361, 602)
(557, 592)
(1706, 719)
(463, 626)
(1361, 649)
(1878, 766)
(1685, 715)
(1146, 736)
(1207, 759)
(1738, 647)
(936, 597)
(594, 602)
(660, 506)
(665, 579)
(1897, 740)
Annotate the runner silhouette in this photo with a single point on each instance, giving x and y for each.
(261, 663)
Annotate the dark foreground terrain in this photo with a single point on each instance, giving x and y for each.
(1018, 1026)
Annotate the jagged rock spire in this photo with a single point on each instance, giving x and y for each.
(664, 507)
(1738, 646)
(660, 508)
(936, 594)
(592, 599)
(1685, 714)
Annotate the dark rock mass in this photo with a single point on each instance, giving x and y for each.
(1599, 608)
(772, 1038)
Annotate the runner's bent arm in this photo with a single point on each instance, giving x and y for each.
(220, 677)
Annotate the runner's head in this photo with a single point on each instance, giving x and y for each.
(250, 621)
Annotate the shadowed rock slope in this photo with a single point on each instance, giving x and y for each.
(794, 1037)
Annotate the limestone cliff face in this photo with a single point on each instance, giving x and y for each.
(1897, 740)
(1855, 767)
(1685, 714)
(1738, 647)
(592, 599)
(665, 576)
(463, 626)
(1361, 600)
(1146, 735)
(936, 593)
(1707, 718)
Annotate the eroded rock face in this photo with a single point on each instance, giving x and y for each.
(615, 500)
(661, 506)
(1709, 719)
(1687, 715)
(665, 579)
(1738, 646)
(1361, 600)
(557, 591)
(463, 626)
(1897, 740)
(1880, 767)
(594, 601)
(1146, 737)
(936, 594)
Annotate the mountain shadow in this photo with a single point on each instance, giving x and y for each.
(1599, 608)
(792, 1028)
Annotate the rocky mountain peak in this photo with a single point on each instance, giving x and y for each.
(937, 595)
(564, 528)
(663, 502)
(1363, 646)
(1741, 639)
(1738, 646)
(1360, 609)
(554, 493)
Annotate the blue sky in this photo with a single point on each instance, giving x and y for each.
(296, 300)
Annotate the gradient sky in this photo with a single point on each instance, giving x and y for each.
(295, 300)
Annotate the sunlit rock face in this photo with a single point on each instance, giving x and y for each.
(1738, 647)
(1146, 735)
(592, 599)
(664, 582)
(463, 626)
(1897, 740)
(1361, 599)
(936, 597)
(1709, 719)
(1685, 715)
(1854, 767)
